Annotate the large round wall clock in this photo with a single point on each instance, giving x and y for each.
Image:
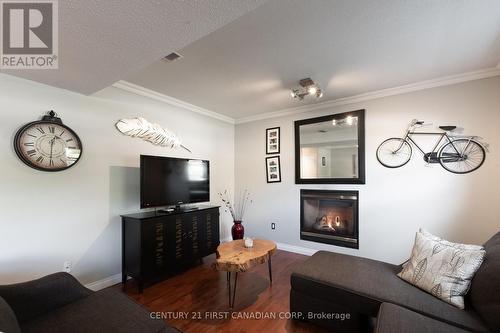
(47, 144)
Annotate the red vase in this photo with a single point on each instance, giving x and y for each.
(237, 231)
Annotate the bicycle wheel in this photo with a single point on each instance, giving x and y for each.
(462, 156)
(394, 152)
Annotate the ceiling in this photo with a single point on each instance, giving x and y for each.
(101, 42)
(349, 47)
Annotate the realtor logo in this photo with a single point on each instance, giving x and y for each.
(29, 34)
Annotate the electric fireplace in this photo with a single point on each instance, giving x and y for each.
(329, 217)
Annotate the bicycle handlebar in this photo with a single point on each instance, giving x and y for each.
(419, 122)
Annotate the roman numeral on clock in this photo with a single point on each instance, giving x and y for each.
(31, 152)
(40, 130)
(39, 159)
(29, 144)
(52, 129)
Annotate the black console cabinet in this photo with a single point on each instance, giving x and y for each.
(156, 245)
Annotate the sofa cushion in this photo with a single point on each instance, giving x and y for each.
(8, 320)
(396, 319)
(105, 311)
(37, 297)
(442, 268)
(363, 284)
(485, 289)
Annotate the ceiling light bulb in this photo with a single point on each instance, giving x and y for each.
(312, 90)
(349, 120)
(319, 94)
(292, 93)
(334, 122)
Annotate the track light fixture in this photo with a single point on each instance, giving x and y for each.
(307, 88)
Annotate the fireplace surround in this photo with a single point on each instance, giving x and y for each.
(330, 217)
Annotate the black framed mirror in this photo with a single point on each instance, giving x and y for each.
(331, 149)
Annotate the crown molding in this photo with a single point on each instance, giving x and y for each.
(138, 90)
(438, 82)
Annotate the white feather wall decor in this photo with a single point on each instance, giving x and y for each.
(154, 133)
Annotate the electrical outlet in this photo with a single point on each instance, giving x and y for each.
(67, 266)
(273, 225)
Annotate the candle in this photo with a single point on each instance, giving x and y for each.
(248, 242)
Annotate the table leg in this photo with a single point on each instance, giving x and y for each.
(231, 291)
(234, 290)
(270, 272)
(229, 286)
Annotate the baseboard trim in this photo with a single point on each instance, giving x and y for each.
(285, 247)
(117, 278)
(296, 249)
(104, 283)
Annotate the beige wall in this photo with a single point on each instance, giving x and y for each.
(394, 203)
(48, 218)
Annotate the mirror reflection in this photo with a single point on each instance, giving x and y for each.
(329, 149)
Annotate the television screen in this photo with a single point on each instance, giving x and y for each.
(169, 181)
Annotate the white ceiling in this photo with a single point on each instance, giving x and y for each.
(101, 42)
(348, 47)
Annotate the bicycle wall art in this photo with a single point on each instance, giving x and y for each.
(456, 153)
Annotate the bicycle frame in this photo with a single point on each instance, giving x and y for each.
(441, 135)
(456, 153)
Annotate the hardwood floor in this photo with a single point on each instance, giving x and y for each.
(201, 295)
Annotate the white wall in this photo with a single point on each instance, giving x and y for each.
(394, 203)
(48, 218)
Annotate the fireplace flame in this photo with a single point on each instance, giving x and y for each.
(329, 222)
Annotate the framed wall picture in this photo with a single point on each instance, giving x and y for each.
(273, 169)
(273, 140)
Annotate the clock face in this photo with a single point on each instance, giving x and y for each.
(48, 146)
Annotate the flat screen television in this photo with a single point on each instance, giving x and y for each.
(167, 181)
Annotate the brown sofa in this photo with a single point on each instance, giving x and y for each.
(336, 283)
(59, 303)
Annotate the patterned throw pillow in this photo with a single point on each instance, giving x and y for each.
(442, 268)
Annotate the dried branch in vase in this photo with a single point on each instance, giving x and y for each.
(238, 207)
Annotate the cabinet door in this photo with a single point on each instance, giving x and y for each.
(211, 231)
(175, 240)
(154, 248)
(187, 234)
(194, 235)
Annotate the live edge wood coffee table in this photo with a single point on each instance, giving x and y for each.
(234, 257)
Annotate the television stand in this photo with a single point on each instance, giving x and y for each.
(157, 246)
